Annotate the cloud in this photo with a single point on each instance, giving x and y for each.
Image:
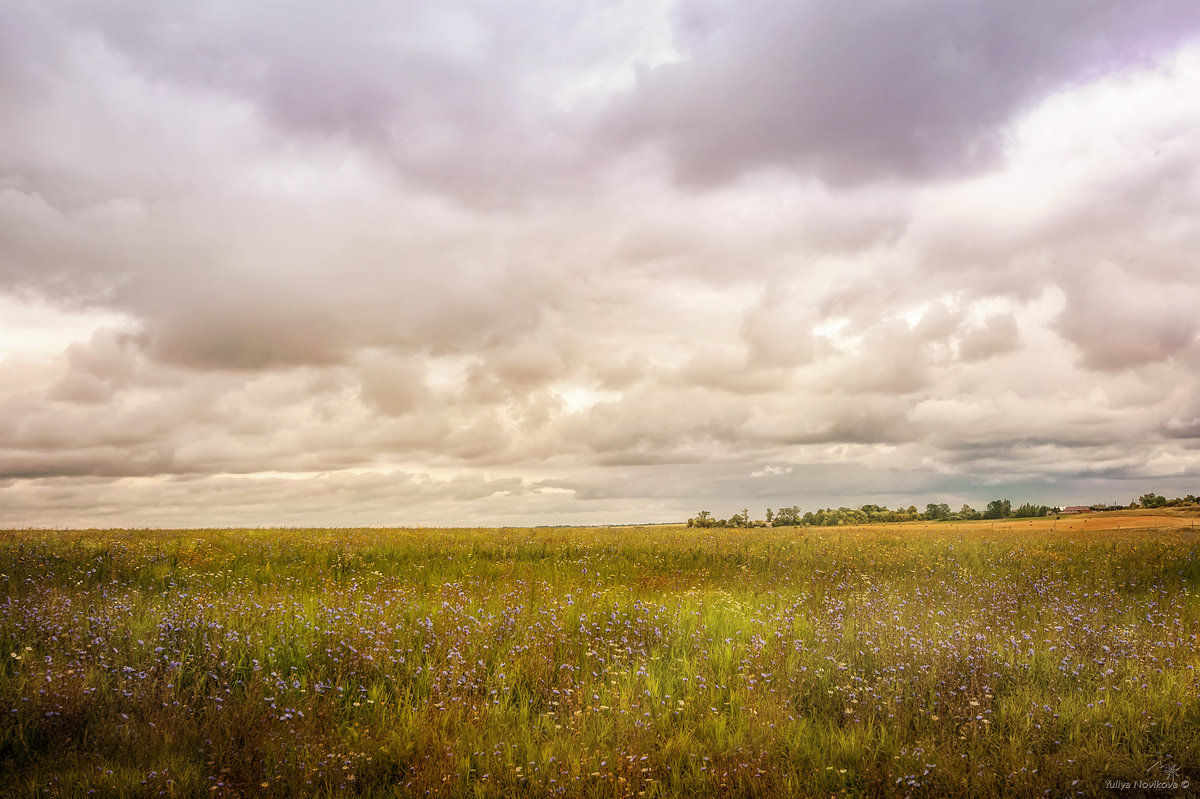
(875, 91)
(996, 335)
(565, 264)
(1118, 320)
(484, 102)
(381, 498)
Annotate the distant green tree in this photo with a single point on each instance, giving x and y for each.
(1152, 500)
(878, 513)
(786, 517)
(968, 513)
(998, 509)
(937, 511)
(834, 517)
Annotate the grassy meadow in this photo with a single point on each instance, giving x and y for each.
(1019, 658)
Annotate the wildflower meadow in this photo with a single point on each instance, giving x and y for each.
(1047, 657)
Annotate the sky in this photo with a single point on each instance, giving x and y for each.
(606, 261)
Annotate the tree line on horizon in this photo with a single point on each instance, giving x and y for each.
(934, 511)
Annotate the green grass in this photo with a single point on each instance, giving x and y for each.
(956, 659)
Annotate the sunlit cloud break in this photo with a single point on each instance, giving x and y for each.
(605, 262)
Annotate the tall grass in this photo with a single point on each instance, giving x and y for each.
(946, 660)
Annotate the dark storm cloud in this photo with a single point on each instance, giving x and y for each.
(857, 92)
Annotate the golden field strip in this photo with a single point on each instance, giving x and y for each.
(1046, 657)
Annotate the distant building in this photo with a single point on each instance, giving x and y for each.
(1076, 509)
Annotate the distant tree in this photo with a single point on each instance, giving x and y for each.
(770, 516)
(998, 509)
(878, 513)
(1152, 501)
(968, 513)
(937, 511)
(832, 517)
(786, 517)
(1027, 511)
